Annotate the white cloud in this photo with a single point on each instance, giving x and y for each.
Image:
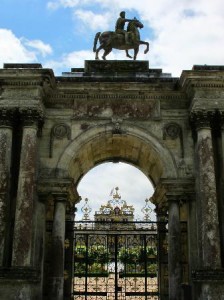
(65, 3)
(91, 20)
(39, 46)
(67, 61)
(14, 49)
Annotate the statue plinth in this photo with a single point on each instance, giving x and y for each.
(112, 66)
(115, 69)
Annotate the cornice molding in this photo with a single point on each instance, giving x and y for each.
(112, 96)
(190, 83)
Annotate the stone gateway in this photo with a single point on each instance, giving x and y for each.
(54, 129)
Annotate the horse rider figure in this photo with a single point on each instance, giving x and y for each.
(119, 27)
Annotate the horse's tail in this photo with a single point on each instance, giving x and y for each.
(95, 40)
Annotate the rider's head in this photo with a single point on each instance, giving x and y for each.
(122, 14)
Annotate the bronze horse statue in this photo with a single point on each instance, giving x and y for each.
(109, 40)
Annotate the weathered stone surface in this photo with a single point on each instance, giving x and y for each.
(22, 66)
(57, 255)
(5, 165)
(208, 201)
(109, 111)
(23, 232)
(116, 66)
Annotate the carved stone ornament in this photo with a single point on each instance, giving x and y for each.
(6, 117)
(59, 131)
(172, 130)
(117, 126)
(31, 116)
(201, 119)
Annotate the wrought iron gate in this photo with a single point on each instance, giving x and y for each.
(114, 261)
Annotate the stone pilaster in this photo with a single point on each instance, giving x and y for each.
(174, 246)
(57, 255)
(5, 165)
(162, 215)
(23, 230)
(206, 189)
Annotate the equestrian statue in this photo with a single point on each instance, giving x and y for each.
(120, 38)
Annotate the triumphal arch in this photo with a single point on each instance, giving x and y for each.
(54, 129)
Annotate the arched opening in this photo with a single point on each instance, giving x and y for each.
(116, 235)
(100, 182)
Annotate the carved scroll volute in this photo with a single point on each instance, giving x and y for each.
(59, 131)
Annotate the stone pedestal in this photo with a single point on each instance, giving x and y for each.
(110, 66)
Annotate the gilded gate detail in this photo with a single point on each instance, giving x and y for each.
(121, 260)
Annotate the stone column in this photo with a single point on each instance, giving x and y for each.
(174, 248)
(5, 165)
(23, 230)
(57, 255)
(221, 188)
(207, 195)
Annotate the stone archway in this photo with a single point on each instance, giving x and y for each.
(170, 128)
(131, 145)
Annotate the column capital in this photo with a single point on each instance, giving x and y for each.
(179, 189)
(221, 118)
(59, 187)
(174, 198)
(202, 118)
(31, 116)
(60, 196)
(6, 117)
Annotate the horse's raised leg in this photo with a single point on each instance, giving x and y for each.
(106, 52)
(147, 46)
(127, 54)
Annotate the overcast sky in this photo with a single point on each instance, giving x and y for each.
(59, 34)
